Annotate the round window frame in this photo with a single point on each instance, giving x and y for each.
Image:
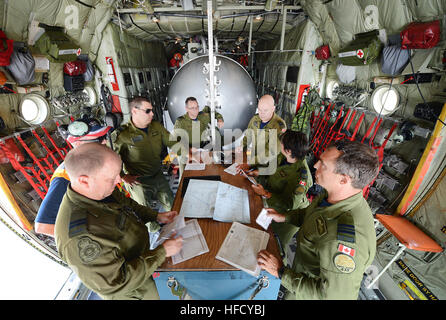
(41, 114)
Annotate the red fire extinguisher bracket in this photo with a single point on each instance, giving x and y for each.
(112, 73)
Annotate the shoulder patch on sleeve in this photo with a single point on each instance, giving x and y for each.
(346, 228)
(299, 190)
(89, 249)
(321, 226)
(344, 263)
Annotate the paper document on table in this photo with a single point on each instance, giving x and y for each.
(199, 199)
(263, 220)
(194, 243)
(217, 200)
(195, 166)
(241, 246)
(168, 229)
(231, 204)
(232, 169)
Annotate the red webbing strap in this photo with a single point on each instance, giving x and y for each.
(18, 167)
(319, 123)
(332, 133)
(322, 144)
(321, 135)
(49, 152)
(369, 130)
(336, 136)
(380, 154)
(53, 143)
(322, 123)
(376, 131)
(358, 124)
(36, 161)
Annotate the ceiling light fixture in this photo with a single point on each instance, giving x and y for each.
(258, 17)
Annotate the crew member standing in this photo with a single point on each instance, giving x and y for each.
(336, 241)
(140, 143)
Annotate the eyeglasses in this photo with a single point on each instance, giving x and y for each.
(146, 110)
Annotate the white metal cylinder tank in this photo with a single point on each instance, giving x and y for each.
(236, 97)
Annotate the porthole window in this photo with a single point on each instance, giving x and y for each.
(385, 100)
(34, 109)
(331, 86)
(91, 94)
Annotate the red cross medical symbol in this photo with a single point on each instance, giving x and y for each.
(360, 53)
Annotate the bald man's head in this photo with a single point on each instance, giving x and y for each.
(266, 108)
(94, 170)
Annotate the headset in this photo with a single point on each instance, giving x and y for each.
(81, 127)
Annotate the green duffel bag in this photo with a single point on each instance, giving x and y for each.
(56, 46)
(365, 49)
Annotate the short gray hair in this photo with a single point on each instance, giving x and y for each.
(87, 159)
(358, 161)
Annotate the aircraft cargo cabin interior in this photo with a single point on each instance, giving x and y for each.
(334, 73)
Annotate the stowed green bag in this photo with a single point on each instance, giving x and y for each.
(56, 45)
(365, 49)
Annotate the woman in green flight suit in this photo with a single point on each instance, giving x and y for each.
(287, 188)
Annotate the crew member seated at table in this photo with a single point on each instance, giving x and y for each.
(196, 125)
(262, 135)
(287, 188)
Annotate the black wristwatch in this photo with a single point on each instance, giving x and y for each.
(281, 271)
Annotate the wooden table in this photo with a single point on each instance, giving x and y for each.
(214, 231)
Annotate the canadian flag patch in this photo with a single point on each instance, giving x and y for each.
(346, 250)
(302, 183)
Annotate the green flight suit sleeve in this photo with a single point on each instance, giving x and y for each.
(284, 200)
(107, 267)
(333, 283)
(146, 214)
(248, 134)
(166, 137)
(299, 284)
(291, 193)
(218, 116)
(175, 138)
(117, 146)
(295, 217)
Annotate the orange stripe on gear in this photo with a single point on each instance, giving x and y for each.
(122, 189)
(60, 173)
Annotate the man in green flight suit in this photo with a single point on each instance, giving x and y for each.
(140, 143)
(287, 188)
(101, 234)
(336, 241)
(262, 135)
(193, 125)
